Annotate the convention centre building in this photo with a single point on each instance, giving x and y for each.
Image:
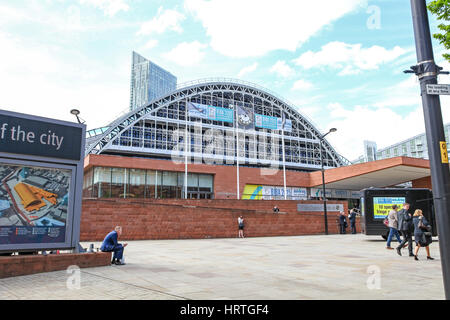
(224, 139)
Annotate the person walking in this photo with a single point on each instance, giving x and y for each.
(342, 223)
(241, 227)
(422, 234)
(352, 219)
(405, 226)
(393, 227)
(110, 244)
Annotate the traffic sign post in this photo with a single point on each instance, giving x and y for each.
(427, 72)
(438, 89)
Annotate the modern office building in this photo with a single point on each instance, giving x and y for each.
(148, 81)
(415, 147)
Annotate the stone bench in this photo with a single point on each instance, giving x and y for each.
(12, 266)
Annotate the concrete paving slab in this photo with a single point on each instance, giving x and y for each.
(303, 267)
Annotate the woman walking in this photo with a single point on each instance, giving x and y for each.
(241, 227)
(393, 227)
(422, 234)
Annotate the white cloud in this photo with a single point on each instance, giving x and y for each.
(247, 69)
(164, 20)
(187, 53)
(404, 93)
(151, 44)
(382, 125)
(48, 82)
(109, 7)
(282, 69)
(254, 27)
(302, 85)
(350, 59)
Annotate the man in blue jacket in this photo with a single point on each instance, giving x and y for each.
(110, 244)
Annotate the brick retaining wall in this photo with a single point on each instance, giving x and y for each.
(198, 219)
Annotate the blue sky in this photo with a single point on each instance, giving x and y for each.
(339, 62)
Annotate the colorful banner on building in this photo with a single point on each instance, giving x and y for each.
(197, 110)
(259, 192)
(245, 118)
(382, 205)
(272, 123)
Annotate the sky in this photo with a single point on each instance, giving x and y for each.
(340, 63)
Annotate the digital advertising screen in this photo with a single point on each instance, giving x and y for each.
(382, 205)
(34, 204)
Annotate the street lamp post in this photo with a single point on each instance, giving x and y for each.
(323, 180)
(76, 112)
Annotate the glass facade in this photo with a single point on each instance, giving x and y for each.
(148, 81)
(103, 182)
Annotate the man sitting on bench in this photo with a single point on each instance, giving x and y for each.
(110, 244)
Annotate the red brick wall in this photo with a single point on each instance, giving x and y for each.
(30, 264)
(198, 219)
(422, 183)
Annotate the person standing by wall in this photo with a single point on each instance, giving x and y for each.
(405, 226)
(342, 222)
(393, 227)
(241, 227)
(352, 219)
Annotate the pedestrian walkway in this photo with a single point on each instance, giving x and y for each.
(304, 267)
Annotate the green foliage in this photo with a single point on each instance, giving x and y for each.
(441, 8)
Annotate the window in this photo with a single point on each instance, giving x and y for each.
(88, 183)
(139, 183)
(205, 182)
(118, 185)
(153, 182)
(102, 182)
(169, 188)
(136, 183)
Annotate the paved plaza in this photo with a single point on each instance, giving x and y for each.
(303, 267)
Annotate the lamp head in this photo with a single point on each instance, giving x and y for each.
(333, 130)
(75, 112)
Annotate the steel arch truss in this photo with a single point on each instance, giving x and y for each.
(221, 93)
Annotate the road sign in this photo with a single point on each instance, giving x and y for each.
(438, 89)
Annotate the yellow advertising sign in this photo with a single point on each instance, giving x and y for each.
(382, 205)
(444, 153)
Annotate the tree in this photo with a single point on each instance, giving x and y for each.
(441, 8)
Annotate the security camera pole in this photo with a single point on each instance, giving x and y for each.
(427, 71)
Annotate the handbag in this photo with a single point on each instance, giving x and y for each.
(426, 239)
(386, 222)
(423, 227)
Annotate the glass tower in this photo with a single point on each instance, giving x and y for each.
(148, 81)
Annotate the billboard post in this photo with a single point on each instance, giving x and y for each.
(427, 72)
